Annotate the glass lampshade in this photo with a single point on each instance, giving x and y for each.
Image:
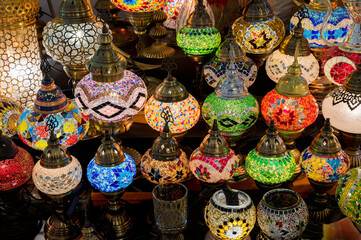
(227, 221)
(172, 9)
(348, 194)
(258, 30)
(139, 5)
(9, 114)
(16, 164)
(20, 74)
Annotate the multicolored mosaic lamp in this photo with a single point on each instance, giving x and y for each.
(110, 172)
(9, 114)
(173, 99)
(270, 163)
(51, 102)
(215, 70)
(71, 37)
(343, 107)
(291, 106)
(231, 105)
(230, 214)
(165, 162)
(324, 163)
(348, 194)
(213, 161)
(258, 30)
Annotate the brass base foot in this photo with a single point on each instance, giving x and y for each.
(158, 50)
(354, 156)
(56, 229)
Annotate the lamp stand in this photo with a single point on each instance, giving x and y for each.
(259, 59)
(353, 142)
(75, 73)
(266, 187)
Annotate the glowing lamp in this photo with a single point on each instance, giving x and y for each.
(215, 70)
(109, 93)
(270, 163)
(198, 36)
(16, 164)
(172, 9)
(165, 162)
(139, 5)
(9, 114)
(20, 74)
(71, 37)
(213, 161)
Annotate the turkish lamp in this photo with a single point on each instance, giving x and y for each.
(343, 107)
(270, 164)
(20, 75)
(324, 163)
(71, 37)
(165, 162)
(258, 30)
(215, 70)
(281, 59)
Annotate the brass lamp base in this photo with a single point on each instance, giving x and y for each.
(97, 128)
(320, 88)
(75, 73)
(266, 187)
(259, 59)
(158, 50)
(140, 21)
(353, 142)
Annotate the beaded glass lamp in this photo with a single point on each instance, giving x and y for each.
(51, 102)
(258, 30)
(165, 162)
(9, 114)
(20, 74)
(270, 163)
(172, 9)
(215, 70)
(71, 37)
(213, 161)
(343, 107)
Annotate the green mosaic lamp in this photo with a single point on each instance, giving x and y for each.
(270, 163)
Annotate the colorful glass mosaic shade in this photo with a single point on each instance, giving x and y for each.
(212, 170)
(228, 222)
(233, 116)
(112, 179)
(161, 172)
(15, 171)
(185, 114)
(348, 194)
(57, 181)
(270, 170)
(139, 5)
(324, 169)
(72, 126)
(289, 113)
(9, 114)
(337, 26)
(111, 102)
(198, 41)
(172, 9)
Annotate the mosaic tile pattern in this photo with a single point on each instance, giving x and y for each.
(196, 41)
(172, 8)
(212, 170)
(111, 102)
(16, 171)
(161, 172)
(270, 170)
(72, 126)
(57, 181)
(324, 169)
(233, 116)
(139, 5)
(112, 179)
(9, 114)
(185, 114)
(289, 113)
(230, 222)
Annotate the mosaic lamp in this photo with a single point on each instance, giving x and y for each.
(281, 59)
(71, 37)
(324, 163)
(110, 172)
(340, 60)
(258, 30)
(230, 214)
(51, 102)
(9, 114)
(56, 175)
(292, 108)
(215, 70)
(20, 75)
(171, 98)
(199, 36)
(165, 162)
(348, 194)
(270, 163)
(231, 105)
(343, 107)
(213, 162)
